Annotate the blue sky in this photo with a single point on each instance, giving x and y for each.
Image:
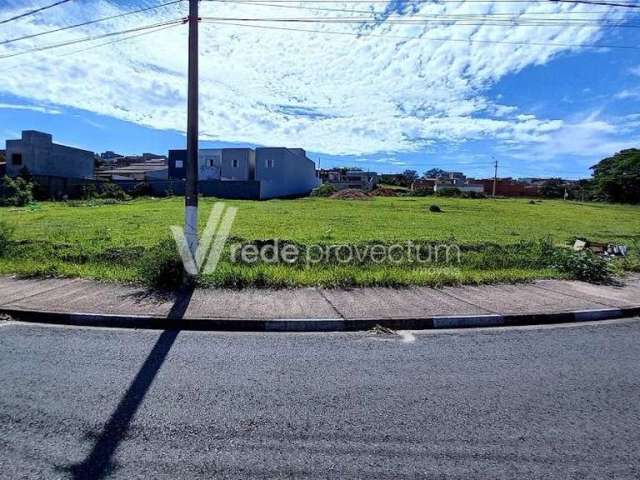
(381, 102)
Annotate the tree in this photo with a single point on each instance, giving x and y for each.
(553, 188)
(617, 178)
(435, 173)
(410, 176)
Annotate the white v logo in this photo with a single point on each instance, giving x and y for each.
(216, 232)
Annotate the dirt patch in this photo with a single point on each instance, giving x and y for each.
(351, 194)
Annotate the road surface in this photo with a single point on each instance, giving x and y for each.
(560, 402)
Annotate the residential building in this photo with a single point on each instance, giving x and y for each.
(141, 171)
(343, 178)
(37, 152)
(262, 173)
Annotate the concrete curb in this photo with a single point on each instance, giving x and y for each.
(315, 324)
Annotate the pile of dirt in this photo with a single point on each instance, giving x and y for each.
(351, 194)
(384, 192)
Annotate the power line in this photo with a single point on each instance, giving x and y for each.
(439, 2)
(92, 38)
(89, 22)
(422, 21)
(120, 40)
(385, 13)
(603, 3)
(402, 37)
(33, 12)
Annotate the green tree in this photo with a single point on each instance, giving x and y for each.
(553, 188)
(410, 176)
(617, 178)
(434, 173)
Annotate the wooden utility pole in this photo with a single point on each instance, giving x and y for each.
(191, 182)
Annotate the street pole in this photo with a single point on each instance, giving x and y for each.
(191, 184)
(495, 178)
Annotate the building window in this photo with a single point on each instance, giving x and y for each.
(210, 162)
(234, 163)
(179, 164)
(269, 163)
(16, 159)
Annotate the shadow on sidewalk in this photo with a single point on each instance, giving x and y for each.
(99, 463)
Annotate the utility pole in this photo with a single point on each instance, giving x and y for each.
(191, 185)
(495, 178)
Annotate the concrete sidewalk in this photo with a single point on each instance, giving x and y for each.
(91, 302)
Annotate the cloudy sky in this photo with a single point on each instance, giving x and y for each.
(380, 85)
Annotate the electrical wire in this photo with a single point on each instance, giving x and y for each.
(92, 38)
(33, 12)
(90, 22)
(439, 2)
(119, 40)
(422, 21)
(405, 38)
(384, 13)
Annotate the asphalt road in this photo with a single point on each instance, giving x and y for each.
(560, 402)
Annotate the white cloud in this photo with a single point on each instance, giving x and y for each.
(33, 108)
(628, 93)
(336, 94)
(588, 135)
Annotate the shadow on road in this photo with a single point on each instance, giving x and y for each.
(99, 462)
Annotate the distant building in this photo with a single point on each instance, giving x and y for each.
(109, 155)
(37, 152)
(149, 170)
(463, 187)
(508, 187)
(342, 178)
(263, 173)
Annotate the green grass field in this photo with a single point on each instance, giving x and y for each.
(109, 241)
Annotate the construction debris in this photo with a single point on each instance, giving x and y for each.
(605, 249)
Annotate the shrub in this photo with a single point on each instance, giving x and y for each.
(584, 265)
(89, 192)
(422, 192)
(448, 192)
(162, 267)
(324, 190)
(435, 209)
(17, 192)
(111, 190)
(141, 189)
(6, 233)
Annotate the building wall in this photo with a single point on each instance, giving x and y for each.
(284, 173)
(238, 164)
(43, 157)
(215, 164)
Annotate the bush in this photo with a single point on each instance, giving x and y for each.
(422, 192)
(6, 233)
(111, 190)
(584, 265)
(89, 192)
(141, 189)
(435, 209)
(324, 190)
(448, 192)
(162, 267)
(17, 192)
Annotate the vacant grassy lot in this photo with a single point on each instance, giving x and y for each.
(109, 241)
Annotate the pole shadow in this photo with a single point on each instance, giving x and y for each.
(98, 463)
